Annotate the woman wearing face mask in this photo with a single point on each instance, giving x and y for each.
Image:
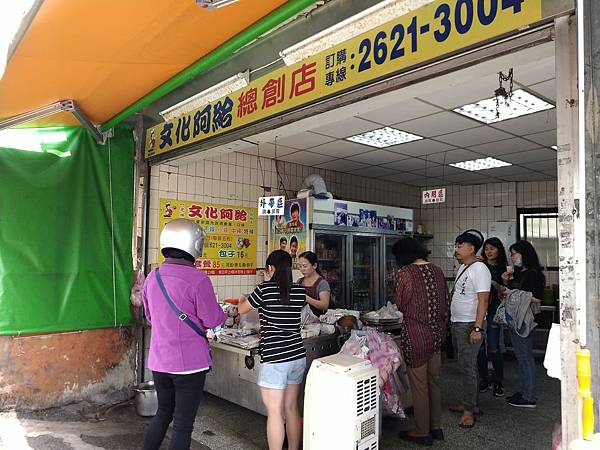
(282, 355)
(527, 276)
(317, 288)
(494, 257)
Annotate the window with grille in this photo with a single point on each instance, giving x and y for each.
(540, 227)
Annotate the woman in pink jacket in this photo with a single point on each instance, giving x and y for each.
(180, 304)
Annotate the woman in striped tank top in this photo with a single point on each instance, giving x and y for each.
(279, 302)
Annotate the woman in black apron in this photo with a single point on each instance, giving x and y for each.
(317, 288)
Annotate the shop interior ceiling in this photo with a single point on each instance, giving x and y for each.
(426, 109)
(106, 55)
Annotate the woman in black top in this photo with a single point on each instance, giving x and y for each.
(494, 257)
(528, 276)
(279, 302)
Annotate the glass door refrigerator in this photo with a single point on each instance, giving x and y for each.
(358, 265)
(365, 281)
(331, 250)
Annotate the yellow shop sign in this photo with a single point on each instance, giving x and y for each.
(436, 29)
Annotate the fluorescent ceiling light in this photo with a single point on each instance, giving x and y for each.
(13, 16)
(481, 164)
(353, 26)
(384, 137)
(521, 104)
(31, 140)
(211, 94)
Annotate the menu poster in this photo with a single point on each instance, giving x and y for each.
(232, 234)
(289, 230)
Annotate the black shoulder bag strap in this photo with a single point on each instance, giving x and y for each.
(182, 316)
(458, 278)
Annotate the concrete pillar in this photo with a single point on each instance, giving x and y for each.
(567, 141)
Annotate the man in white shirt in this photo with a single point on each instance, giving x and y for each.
(468, 309)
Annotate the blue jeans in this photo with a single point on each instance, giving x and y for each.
(491, 349)
(280, 375)
(523, 348)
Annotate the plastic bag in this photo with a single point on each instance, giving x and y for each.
(388, 312)
(136, 289)
(332, 315)
(307, 316)
(250, 321)
(392, 398)
(383, 353)
(552, 362)
(386, 356)
(356, 346)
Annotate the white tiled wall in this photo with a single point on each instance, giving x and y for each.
(236, 179)
(475, 206)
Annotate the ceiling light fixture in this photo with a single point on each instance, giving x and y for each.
(521, 104)
(211, 94)
(384, 137)
(210, 5)
(346, 29)
(480, 164)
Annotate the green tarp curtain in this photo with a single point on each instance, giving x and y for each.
(66, 212)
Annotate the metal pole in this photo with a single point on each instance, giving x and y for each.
(567, 142)
(217, 56)
(589, 104)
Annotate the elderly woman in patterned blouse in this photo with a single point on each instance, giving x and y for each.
(422, 298)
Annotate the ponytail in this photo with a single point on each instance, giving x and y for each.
(282, 262)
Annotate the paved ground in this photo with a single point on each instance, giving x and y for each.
(224, 426)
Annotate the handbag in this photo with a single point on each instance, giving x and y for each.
(500, 316)
(182, 316)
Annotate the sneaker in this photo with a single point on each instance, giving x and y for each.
(484, 386)
(521, 403)
(515, 396)
(498, 390)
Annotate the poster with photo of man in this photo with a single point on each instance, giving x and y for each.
(288, 232)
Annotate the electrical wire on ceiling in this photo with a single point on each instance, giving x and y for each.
(262, 171)
(281, 183)
(444, 168)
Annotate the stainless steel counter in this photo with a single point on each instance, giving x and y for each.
(234, 372)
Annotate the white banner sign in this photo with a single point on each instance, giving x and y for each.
(434, 196)
(271, 206)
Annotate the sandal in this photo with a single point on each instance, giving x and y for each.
(467, 421)
(461, 409)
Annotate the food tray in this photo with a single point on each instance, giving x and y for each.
(380, 321)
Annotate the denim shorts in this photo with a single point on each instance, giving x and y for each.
(279, 375)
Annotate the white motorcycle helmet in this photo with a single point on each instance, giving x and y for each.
(183, 234)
